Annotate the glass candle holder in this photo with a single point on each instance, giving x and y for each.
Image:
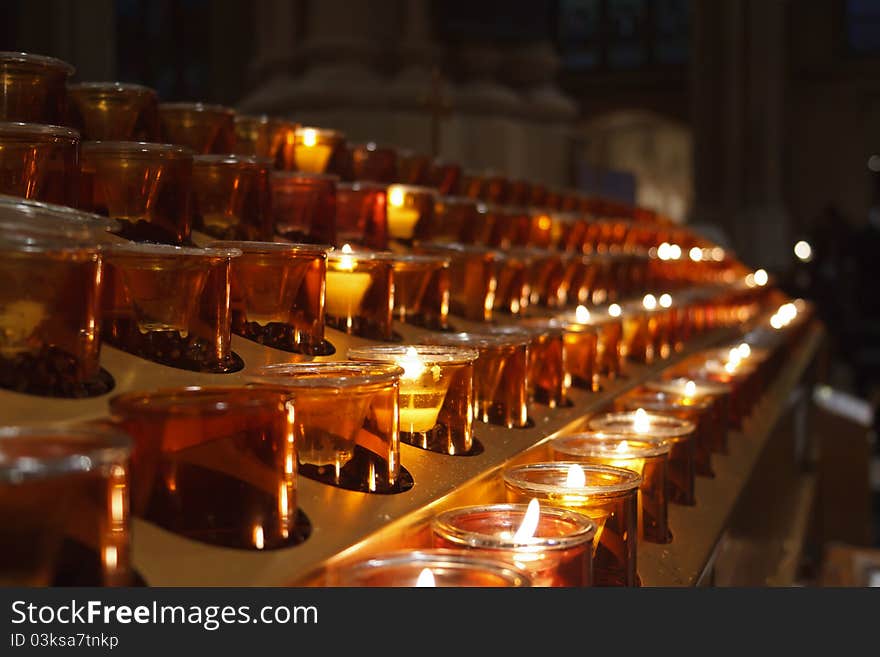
(478, 225)
(696, 410)
(500, 375)
(547, 376)
(421, 289)
(544, 276)
(266, 137)
(607, 495)
(277, 295)
(453, 216)
(410, 212)
(436, 393)
(113, 111)
(32, 88)
(39, 162)
(205, 129)
(64, 506)
(650, 459)
(444, 176)
(24, 218)
(701, 391)
(372, 162)
(215, 464)
(170, 305)
(512, 290)
(558, 552)
(231, 197)
(412, 167)
(510, 226)
(640, 330)
(569, 231)
(347, 422)
(304, 206)
(680, 434)
(428, 568)
(359, 297)
(313, 148)
(146, 187)
(361, 216)
(50, 317)
(607, 324)
(473, 278)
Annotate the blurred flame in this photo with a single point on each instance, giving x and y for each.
(529, 524)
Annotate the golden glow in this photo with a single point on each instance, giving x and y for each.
(544, 222)
(582, 315)
(614, 310)
(664, 250)
(744, 350)
(530, 521)
(426, 579)
(674, 252)
(665, 300)
(690, 389)
(346, 262)
(575, 477)
(396, 197)
(111, 557)
(641, 423)
(803, 251)
(696, 254)
(776, 322)
(750, 280)
(412, 364)
(310, 137)
(622, 448)
(761, 277)
(649, 302)
(259, 540)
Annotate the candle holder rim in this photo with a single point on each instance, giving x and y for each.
(198, 400)
(38, 130)
(10, 56)
(358, 185)
(533, 332)
(314, 375)
(333, 133)
(460, 248)
(414, 189)
(596, 319)
(649, 401)
(443, 354)
(279, 174)
(148, 148)
(376, 146)
(264, 119)
(584, 528)
(32, 208)
(148, 249)
(711, 388)
(412, 258)
(627, 479)
(231, 158)
(675, 427)
(111, 85)
(647, 448)
(247, 246)
(457, 199)
(482, 340)
(213, 108)
(15, 243)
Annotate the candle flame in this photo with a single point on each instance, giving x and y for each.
(575, 477)
(744, 350)
(761, 277)
(690, 389)
(529, 524)
(582, 315)
(310, 137)
(346, 262)
(614, 310)
(259, 539)
(623, 447)
(396, 197)
(665, 300)
(649, 302)
(426, 579)
(412, 364)
(641, 423)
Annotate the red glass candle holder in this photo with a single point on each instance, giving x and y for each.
(649, 459)
(304, 206)
(500, 375)
(444, 177)
(680, 434)
(170, 305)
(372, 162)
(266, 137)
(428, 568)
(113, 111)
(700, 392)
(215, 464)
(558, 553)
(347, 419)
(453, 217)
(25, 218)
(607, 495)
(231, 197)
(410, 212)
(205, 129)
(361, 214)
(40, 162)
(473, 278)
(436, 393)
(359, 297)
(277, 295)
(146, 187)
(547, 380)
(314, 148)
(32, 88)
(64, 506)
(412, 167)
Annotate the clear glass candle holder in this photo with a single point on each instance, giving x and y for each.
(359, 297)
(347, 422)
(650, 459)
(428, 568)
(473, 278)
(559, 552)
(146, 187)
(64, 506)
(215, 464)
(24, 218)
(718, 394)
(607, 495)
(170, 305)
(410, 212)
(304, 206)
(436, 393)
(313, 148)
(113, 111)
(548, 382)
(680, 434)
(277, 295)
(500, 375)
(40, 162)
(33, 88)
(50, 316)
(372, 162)
(231, 197)
(267, 137)
(203, 128)
(361, 214)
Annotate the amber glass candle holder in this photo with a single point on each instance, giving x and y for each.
(412, 167)
(347, 422)
(372, 162)
(50, 317)
(215, 464)
(170, 305)
(582, 285)
(680, 434)
(359, 297)
(204, 129)
(313, 148)
(544, 276)
(453, 217)
(650, 459)
(548, 379)
(500, 375)
(421, 289)
(428, 568)
(32, 88)
(607, 324)
(640, 329)
(266, 137)
(231, 197)
(40, 162)
(410, 212)
(277, 295)
(64, 506)
(436, 393)
(304, 206)
(700, 392)
(113, 111)
(444, 177)
(146, 187)
(473, 278)
(361, 214)
(559, 552)
(607, 495)
(512, 289)
(478, 224)
(24, 218)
